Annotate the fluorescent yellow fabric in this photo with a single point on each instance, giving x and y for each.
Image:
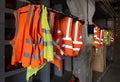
(31, 71)
(47, 37)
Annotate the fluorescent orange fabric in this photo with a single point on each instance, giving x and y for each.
(21, 16)
(96, 37)
(37, 53)
(57, 42)
(77, 37)
(66, 28)
(29, 41)
(101, 37)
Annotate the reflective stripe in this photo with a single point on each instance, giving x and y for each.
(95, 35)
(76, 42)
(76, 49)
(16, 23)
(97, 38)
(57, 41)
(68, 27)
(46, 31)
(38, 40)
(95, 30)
(58, 47)
(57, 56)
(37, 56)
(50, 19)
(67, 38)
(67, 46)
(58, 31)
(76, 31)
(29, 41)
(27, 55)
(29, 13)
(48, 43)
(41, 53)
(41, 41)
(96, 42)
(80, 37)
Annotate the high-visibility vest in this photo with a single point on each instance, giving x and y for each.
(77, 37)
(38, 48)
(23, 16)
(57, 42)
(66, 28)
(47, 37)
(29, 42)
(101, 37)
(96, 37)
(106, 38)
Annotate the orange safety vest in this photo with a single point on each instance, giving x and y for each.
(66, 28)
(29, 42)
(101, 37)
(77, 37)
(57, 42)
(38, 49)
(96, 37)
(22, 18)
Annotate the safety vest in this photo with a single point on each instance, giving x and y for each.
(77, 37)
(106, 38)
(23, 16)
(96, 36)
(66, 28)
(38, 48)
(47, 37)
(29, 42)
(101, 37)
(57, 42)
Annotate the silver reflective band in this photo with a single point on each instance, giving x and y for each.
(67, 46)
(38, 40)
(96, 42)
(16, 23)
(59, 31)
(41, 53)
(57, 56)
(57, 41)
(27, 55)
(48, 43)
(29, 13)
(76, 42)
(67, 38)
(76, 49)
(46, 31)
(33, 56)
(50, 19)
(28, 41)
(58, 47)
(80, 37)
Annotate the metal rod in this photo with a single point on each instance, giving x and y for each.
(50, 9)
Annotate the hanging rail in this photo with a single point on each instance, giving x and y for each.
(53, 10)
